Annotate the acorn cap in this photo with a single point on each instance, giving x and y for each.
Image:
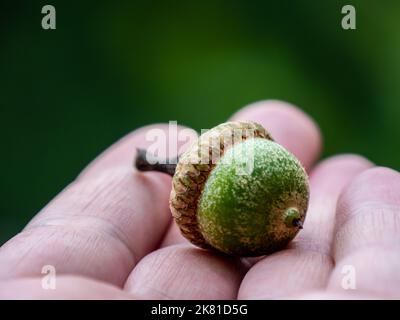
(194, 167)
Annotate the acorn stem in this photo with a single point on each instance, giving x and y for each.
(298, 223)
(292, 218)
(145, 161)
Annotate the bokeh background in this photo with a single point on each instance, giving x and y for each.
(112, 66)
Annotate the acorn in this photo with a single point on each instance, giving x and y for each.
(235, 190)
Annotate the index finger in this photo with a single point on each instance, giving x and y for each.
(102, 224)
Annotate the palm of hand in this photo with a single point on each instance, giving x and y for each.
(104, 232)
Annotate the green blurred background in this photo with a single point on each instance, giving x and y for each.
(112, 66)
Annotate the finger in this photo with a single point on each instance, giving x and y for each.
(327, 180)
(64, 288)
(288, 125)
(307, 262)
(367, 240)
(100, 226)
(184, 272)
(334, 295)
(173, 236)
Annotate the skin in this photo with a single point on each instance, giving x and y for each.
(109, 233)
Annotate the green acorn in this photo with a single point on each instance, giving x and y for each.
(236, 190)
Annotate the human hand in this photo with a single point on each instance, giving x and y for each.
(109, 234)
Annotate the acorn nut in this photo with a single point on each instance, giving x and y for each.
(235, 190)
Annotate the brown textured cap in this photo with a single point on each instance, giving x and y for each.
(195, 166)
